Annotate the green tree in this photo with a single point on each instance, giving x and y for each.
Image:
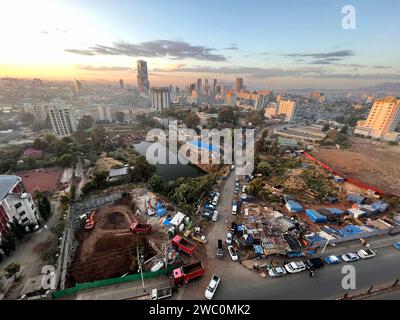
(67, 160)
(255, 187)
(8, 243)
(99, 136)
(17, 229)
(226, 115)
(120, 116)
(85, 123)
(44, 207)
(191, 120)
(142, 170)
(12, 269)
(212, 123)
(156, 184)
(264, 168)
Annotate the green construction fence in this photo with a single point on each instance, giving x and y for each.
(106, 282)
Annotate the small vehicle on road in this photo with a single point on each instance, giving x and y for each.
(215, 216)
(397, 245)
(220, 249)
(366, 254)
(212, 287)
(207, 215)
(277, 272)
(234, 209)
(332, 260)
(350, 257)
(229, 238)
(295, 267)
(232, 253)
(314, 263)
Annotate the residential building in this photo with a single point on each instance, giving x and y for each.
(104, 113)
(199, 87)
(160, 98)
(39, 111)
(382, 120)
(203, 116)
(288, 108)
(142, 77)
(15, 202)
(62, 118)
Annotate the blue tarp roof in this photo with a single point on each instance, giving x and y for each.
(349, 231)
(336, 211)
(315, 216)
(160, 209)
(295, 206)
(201, 145)
(355, 198)
(258, 249)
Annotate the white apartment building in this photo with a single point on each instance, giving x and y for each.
(160, 98)
(16, 202)
(62, 118)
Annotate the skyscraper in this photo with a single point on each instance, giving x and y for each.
(214, 88)
(238, 85)
(142, 77)
(160, 98)
(121, 83)
(199, 87)
(62, 118)
(382, 120)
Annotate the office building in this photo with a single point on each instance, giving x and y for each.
(62, 118)
(160, 98)
(382, 120)
(142, 77)
(238, 85)
(199, 87)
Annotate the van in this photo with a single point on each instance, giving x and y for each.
(234, 209)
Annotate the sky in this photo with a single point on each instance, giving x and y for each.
(271, 44)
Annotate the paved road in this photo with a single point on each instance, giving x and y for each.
(241, 283)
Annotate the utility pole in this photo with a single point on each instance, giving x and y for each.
(326, 244)
(140, 261)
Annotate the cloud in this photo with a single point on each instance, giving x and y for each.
(232, 46)
(382, 67)
(261, 73)
(152, 49)
(103, 68)
(333, 54)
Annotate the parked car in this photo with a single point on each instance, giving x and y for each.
(332, 260)
(232, 253)
(397, 245)
(212, 287)
(350, 257)
(314, 263)
(209, 206)
(234, 209)
(295, 267)
(215, 216)
(207, 215)
(229, 238)
(366, 254)
(277, 272)
(220, 249)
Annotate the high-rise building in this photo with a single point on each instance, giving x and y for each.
(382, 120)
(230, 97)
(121, 83)
(77, 86)
(62, 118)
(214, 88)
(39, 111)
(288, 108)
(206, 87)
(142, 77)
(160, 98)
(104, 113)
(199, 87)
(260, 101)
(238, 85)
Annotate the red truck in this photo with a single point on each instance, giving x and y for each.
(187, 273)
(183, 244)
(140, 228)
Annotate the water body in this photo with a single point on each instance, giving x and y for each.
(170, 171)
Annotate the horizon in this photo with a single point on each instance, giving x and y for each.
(268, 47)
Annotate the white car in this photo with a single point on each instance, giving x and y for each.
(295, 267)
(229, 238)
(234, 209)
(350, 257)
(212, 287)
(215, 216)
(232, 253)
(277, 272)
(366, 253)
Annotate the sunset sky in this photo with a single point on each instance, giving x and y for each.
(276, 44)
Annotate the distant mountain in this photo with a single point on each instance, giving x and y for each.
(386, 87)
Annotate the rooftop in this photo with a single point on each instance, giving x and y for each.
(7, 182)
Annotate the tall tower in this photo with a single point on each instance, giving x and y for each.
(238, 85)
(199, 86)
(142, 77)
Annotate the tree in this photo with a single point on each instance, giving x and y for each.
(191, 120)
(254, 118)
(85, 123)
(264, 168)
(12, 269)
(17, 229)
(255, 187)
(156, 184)
(44, 207)
(120, 116)
(8, 243)
(99, 136)
(67, 160)
(344, 129)
(226, 115)
(212, 123)
(326, 127)
(142, 170)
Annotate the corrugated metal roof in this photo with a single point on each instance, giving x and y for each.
(6, 183)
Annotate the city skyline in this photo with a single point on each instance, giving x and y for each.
(278, 46)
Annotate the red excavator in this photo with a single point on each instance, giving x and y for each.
(90, 221)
